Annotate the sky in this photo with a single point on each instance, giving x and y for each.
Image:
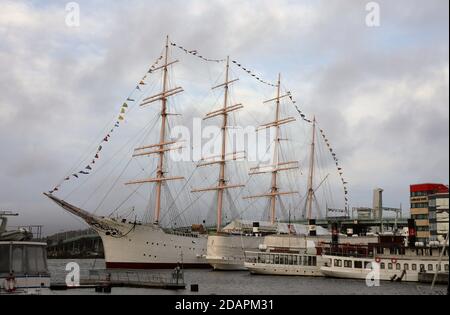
(381, 93)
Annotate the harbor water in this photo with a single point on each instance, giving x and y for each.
(243, 283)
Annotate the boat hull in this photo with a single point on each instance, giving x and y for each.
(150, 247)
(27, 285)
(227, 252)
(392, 273)
(283, 270)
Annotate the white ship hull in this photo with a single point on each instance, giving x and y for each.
(227, 252)
(399, 270)
(151, 247)
(283, 270)
(129, 245)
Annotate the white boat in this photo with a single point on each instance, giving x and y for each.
(386, 261)
(23, 268)
(227, 251)
(20, 234)
(131, 245)
(23, 263)
(293, 255)
(284, 264)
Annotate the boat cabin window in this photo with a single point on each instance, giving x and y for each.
(446, 268)
(399, 267)
(348, 264)
(390, 266)
(23, 259)
(338, 263)
(430, 267)
(17, 259)
(291, 260)
(358, 264)
(406, 267)
(367, 265)
(4, 259)
(383, 266)
(414, 267)
(422, 268)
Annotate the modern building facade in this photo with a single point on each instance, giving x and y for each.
(424, 210)
(438, 206)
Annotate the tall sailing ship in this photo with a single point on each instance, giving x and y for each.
(132, 245)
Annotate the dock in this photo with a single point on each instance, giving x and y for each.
(105, 280)
(442, 277)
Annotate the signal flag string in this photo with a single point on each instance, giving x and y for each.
(120, 118)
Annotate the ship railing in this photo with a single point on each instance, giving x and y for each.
(131, 277)
(184, 234)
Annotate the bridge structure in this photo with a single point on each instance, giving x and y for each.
(76, 244)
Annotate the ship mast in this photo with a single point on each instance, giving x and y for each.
(224, 112)
(164, 145)
(311, 194)
(278, 166)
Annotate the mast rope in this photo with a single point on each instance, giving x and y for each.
(195, 53)
(338, 166)
(327, 142)
(124, 109)
(137, 135)
(252, 74)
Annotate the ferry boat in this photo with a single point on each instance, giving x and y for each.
(293, 255)
(23, 263)
(229, 250)
(390, 259)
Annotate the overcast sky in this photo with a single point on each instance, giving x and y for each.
(381, 93)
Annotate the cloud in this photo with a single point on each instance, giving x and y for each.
(381, 94)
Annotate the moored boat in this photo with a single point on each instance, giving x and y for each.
(387, 260)
(23, 262)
